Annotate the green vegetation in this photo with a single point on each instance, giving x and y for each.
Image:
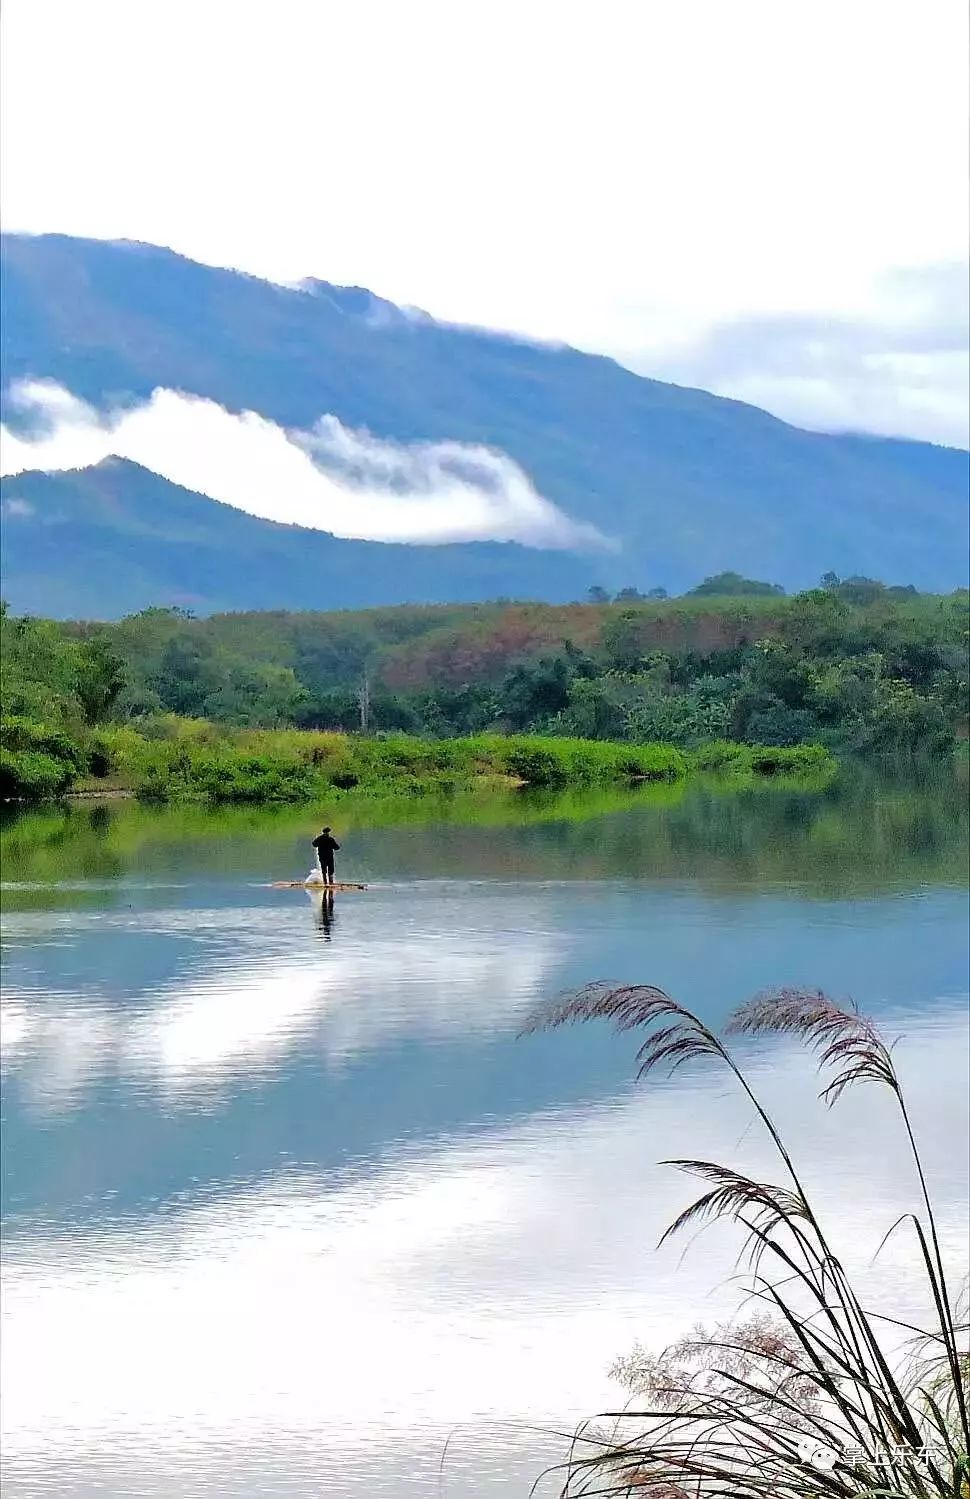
(855, 665)
(733, 585)
(191, 760)
(172, 759)
(175, 706)
(802, 1396)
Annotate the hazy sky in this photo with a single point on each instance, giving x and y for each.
(765, 197)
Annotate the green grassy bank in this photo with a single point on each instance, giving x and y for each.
(173, 759)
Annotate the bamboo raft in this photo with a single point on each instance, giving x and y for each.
(314, 885)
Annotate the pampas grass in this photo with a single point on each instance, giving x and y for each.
(800, 1400)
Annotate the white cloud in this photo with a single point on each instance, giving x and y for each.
(626, 177)
(15, 507)
(904, 366)
(330, 478)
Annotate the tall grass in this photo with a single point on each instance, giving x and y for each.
(802, 1400)
(173, 759)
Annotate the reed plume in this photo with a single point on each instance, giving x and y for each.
(801, 1400)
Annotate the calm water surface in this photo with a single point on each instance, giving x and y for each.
(287, 1204)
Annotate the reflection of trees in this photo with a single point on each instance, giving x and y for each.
(862, 833)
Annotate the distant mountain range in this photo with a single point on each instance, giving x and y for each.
(688, 483)
(102, 542)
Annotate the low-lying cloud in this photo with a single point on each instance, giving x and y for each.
(329, 478)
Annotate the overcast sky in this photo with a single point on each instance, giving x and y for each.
(764, 197)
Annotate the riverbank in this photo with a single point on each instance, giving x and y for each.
(174, 760)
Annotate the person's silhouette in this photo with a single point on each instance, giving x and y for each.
(326, 846)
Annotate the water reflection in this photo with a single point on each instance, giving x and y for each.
(287, 1201)
(346, 1322)
(323, 910)
(863, 833)
(235, 1010)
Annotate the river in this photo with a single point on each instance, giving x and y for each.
(290, 1207)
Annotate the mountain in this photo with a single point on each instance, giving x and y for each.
(688, 483)
(101, 542)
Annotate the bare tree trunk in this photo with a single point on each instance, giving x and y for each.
(363, 702)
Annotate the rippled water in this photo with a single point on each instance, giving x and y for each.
(289, 1207)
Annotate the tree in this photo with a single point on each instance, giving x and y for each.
(733, 585)
(860, 590)
(36, 761)
(623, 639)
(101, 678)
(187, 674)
(594, 712)
(781, 725)
(781, 672)
(903, 720)
(681, 718)
(816, 622)
(657, 593)
(597, 595)
(628, 596)
(333, 709)
(536, 691)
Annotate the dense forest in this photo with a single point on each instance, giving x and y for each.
(853, 665)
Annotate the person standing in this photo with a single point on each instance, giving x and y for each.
(326, 846)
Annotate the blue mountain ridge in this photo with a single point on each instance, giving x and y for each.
(686, 482)
(106, 541)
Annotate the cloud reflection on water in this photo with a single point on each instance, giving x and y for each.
(483, 1279)
(263, 1330)
(229, 1016)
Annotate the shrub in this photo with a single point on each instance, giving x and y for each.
(652, 762)
(32, 775)
(768, 760)
(228, 776)
(536, 764)
(725, 757)
(722, 754)
(781, 725)
(38, 761)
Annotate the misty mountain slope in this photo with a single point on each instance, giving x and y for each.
(689, 483)
(101, 542)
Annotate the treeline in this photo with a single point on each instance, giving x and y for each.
(867, 670)
(853, 590)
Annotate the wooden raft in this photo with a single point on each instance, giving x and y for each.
(314, 885)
